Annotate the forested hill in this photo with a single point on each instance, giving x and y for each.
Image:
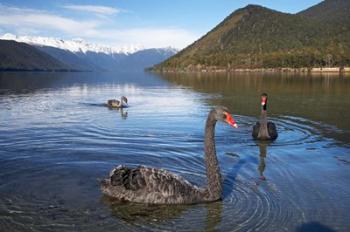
(16, 56)
(258, 37)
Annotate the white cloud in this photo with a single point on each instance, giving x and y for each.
(152, 37)
(22, 20)
(30, 19)
(104, 10)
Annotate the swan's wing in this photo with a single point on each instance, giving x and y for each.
(256, 129)
(271, 128)
(167, 183)
(130, 179)
(150, 180)
(113, 102)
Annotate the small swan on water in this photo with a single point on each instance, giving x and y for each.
(264, 130)
(114, 103)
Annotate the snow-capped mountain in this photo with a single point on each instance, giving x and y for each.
(75, 45)
(81, 55)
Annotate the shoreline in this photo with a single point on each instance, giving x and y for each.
(314, 70)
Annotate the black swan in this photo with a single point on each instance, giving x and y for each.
(157, 186)
(264, 130)
(114, 103)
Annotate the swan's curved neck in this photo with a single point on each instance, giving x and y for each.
(263, 116)
(213, 169)
(122, 102)
(263, 132)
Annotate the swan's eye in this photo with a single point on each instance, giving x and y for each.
(224, 116)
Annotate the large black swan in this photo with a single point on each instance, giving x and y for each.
(114, 103)
(158, 186)
(264, 130)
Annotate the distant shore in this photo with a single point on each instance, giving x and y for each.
(40, 70)
(315, 70)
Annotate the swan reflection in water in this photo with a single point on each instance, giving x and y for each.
(262, 156)
(123, 112)
(152, 215)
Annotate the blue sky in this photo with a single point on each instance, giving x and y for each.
(150, 23)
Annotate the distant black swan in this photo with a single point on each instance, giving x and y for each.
(158, 186)
(264, 130)
(114, 103)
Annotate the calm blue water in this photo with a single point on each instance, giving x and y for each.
(58, 140)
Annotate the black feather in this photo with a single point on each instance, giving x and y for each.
(271, 128)
(256, 129)
(131, 179)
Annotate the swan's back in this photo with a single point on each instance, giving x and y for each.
(113, 103)
(150, 185)
(271, 130)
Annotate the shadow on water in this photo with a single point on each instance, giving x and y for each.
(133, 213)
(141, 214)
(313, 227)
(230, 178)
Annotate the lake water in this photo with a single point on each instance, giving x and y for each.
(57, 140)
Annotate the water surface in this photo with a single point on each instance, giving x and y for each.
(58, 140)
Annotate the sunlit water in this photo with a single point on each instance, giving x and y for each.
(58, 140)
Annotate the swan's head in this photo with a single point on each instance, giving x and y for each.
(124, 99)
(223, 115)
(264, 99)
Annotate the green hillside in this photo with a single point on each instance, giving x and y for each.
(258, 37)
(16, 56)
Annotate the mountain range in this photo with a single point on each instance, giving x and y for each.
(257, 37)
(52, 54)
(21, 56)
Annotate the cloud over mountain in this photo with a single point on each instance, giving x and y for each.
(103, 30)
(104, 10)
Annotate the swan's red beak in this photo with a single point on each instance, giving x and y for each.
(229, 119)
(263, 100)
